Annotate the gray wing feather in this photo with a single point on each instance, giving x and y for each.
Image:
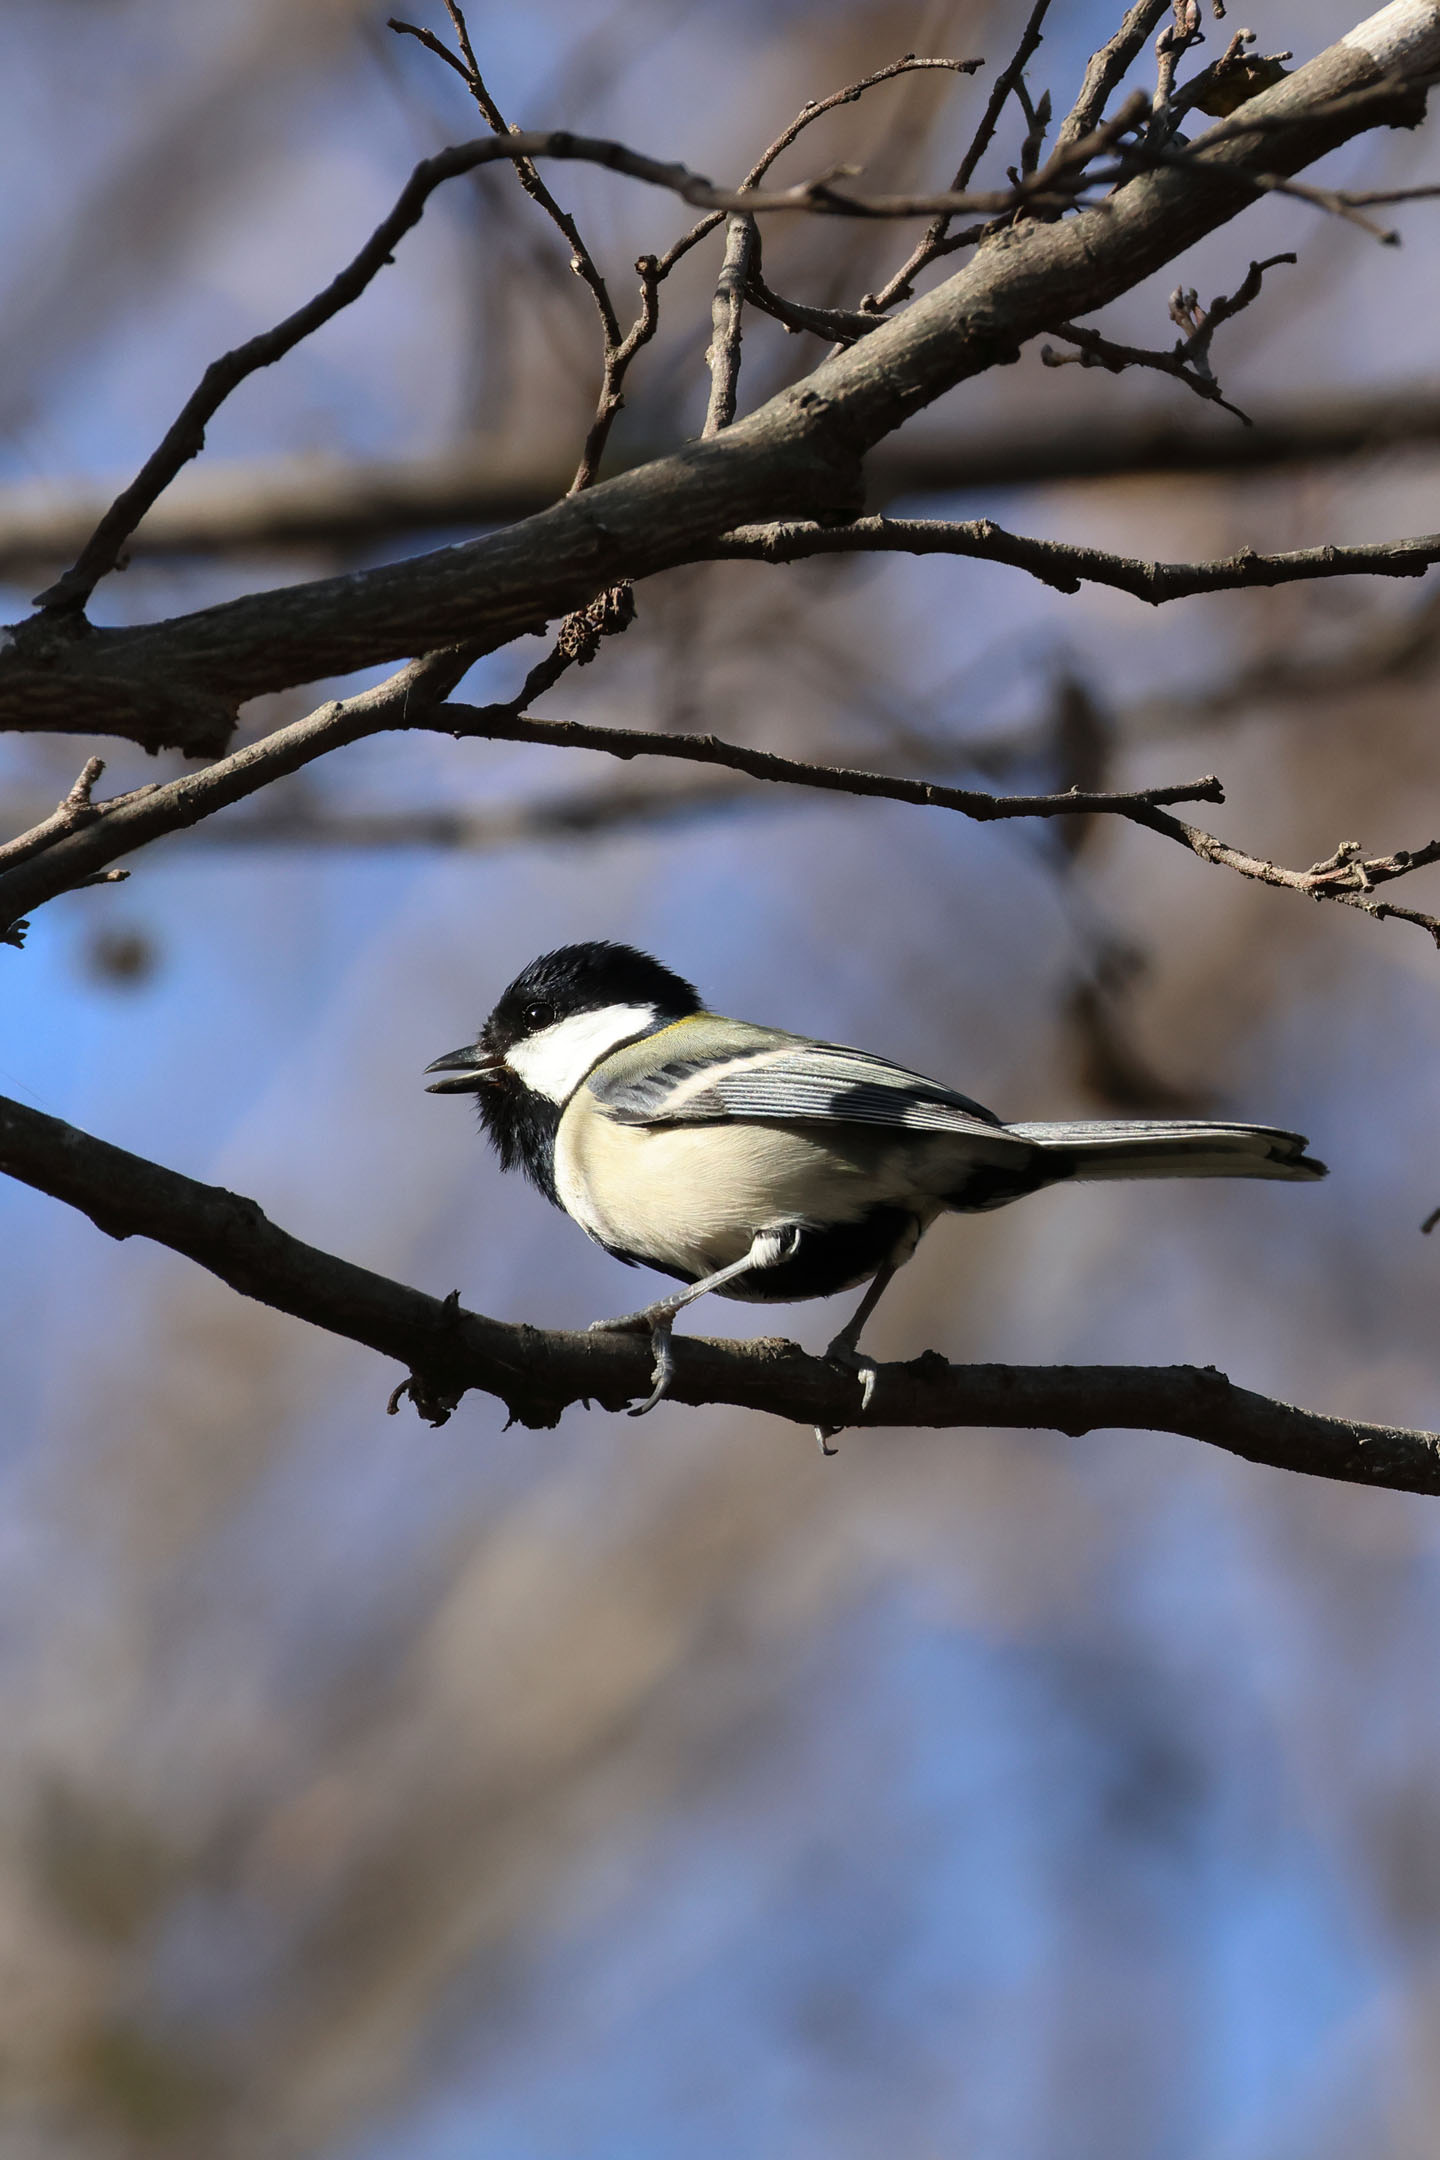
(812, 1080)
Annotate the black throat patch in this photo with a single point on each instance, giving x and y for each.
(521, 1126)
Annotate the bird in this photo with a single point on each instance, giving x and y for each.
(766, 1165)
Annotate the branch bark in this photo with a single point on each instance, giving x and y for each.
(180, 683)
(1060, 564)
(537, 1373)
(64, 856)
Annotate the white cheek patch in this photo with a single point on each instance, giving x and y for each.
(555, 1060)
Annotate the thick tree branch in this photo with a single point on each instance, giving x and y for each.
(186, 437)
(538, 1373)
(181, 682)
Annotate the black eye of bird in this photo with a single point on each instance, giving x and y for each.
(538, 1015)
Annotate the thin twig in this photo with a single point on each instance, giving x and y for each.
(414, 699)
(934, 243)
(816, 108)
(502, 724)
(739, 274)
(726, 320)
(74, 810)
(838, 326)
(1174, 41)
(617, 349)
(1188, 361)
(1065, 567)
(1107, 68)
(1094, 350)
(1222, 88)
(1348, 876)
(1037, 118)
(185, 438)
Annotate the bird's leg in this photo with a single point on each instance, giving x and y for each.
(843, 1351)
(659, 1319)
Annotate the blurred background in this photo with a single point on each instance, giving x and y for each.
(634, 1789)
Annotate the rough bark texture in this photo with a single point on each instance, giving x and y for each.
(537, 1373)
(180, 683)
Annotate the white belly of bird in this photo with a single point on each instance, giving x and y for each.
(693, 1197)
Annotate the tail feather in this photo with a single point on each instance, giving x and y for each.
(1171, 1147)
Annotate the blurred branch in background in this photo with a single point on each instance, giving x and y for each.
(308, 504)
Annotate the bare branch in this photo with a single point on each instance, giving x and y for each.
(413, 699)
(617, 350)
(79, 856)
(901, 285)
(1107, 68)
(1096, 350)
(723, 357)
(1223, 87)
(537, 1373)
(1188, 361)
(1065, 567)
(816, 108)
(75, 810)
(740, 274)
(186, 437)
(839, 326)
(47, 864)
(1201, 324)
(1347, 876)
(1173, 42)
(617, 364)
(797, 456)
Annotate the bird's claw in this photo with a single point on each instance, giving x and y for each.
(864, 1368)
(658, 1325)
(664, 1368)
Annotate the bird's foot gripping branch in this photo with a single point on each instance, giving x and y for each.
(537, 1373)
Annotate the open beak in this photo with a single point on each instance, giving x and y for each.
(470, 1069)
